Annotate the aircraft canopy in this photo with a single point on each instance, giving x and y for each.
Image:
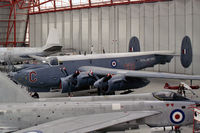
(169, 96)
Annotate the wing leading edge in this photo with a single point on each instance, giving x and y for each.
(88, 123)
(139, 74)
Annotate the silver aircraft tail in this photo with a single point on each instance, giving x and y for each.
(12, 93)
(53, 43)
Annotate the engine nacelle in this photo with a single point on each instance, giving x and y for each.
(77, 82)
(85, 80)
(68, 84)
(102, 84)
(119, 82)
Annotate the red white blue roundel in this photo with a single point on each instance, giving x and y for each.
(177, 116)
(114, 63)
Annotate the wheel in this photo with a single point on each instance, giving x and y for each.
(178, 131)
(35, 95)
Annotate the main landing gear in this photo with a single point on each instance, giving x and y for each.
(35, 95)
(175, 130)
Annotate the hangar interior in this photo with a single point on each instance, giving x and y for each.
(105, 24)
(102, 25)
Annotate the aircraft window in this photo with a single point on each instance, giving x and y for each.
(169, 96)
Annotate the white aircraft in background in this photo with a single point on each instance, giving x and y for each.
(12, 55)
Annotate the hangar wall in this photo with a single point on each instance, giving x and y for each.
(159, 26)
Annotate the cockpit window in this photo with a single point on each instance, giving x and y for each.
(169, 96)
(53, 61)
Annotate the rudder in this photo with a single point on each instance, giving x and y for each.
(186, 52)
(134, 44)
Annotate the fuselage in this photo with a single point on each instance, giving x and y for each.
(48, 77)
(23, 115)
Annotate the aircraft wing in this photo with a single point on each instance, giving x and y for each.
(88, 123)
(139, 74)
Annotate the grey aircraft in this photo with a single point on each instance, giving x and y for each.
(12, 55)
(21, 113)
(107, 72)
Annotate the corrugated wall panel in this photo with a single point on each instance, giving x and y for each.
(164, 30)
(180, 30)
(105, 29)
(38, 30)
(94, 30)
(76, 29)
(159, 26)
(85, 30)
(196, 36)
(135, 20)
(156, 31)
(188, 26)
(60, 25)
(67, 30)
(121, 44)
(148, 29)
(45, 28)
(172, 38)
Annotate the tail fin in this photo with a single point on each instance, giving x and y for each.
(134, 44)
(10, 92)
(186, 52)
(52, 43)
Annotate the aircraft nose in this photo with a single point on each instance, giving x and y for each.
(13, 76)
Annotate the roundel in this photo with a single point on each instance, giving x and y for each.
(34, 131)
(177, 116)
(113, 63)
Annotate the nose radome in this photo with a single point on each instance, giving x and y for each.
(13, 76)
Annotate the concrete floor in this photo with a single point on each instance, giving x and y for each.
(155, 85)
